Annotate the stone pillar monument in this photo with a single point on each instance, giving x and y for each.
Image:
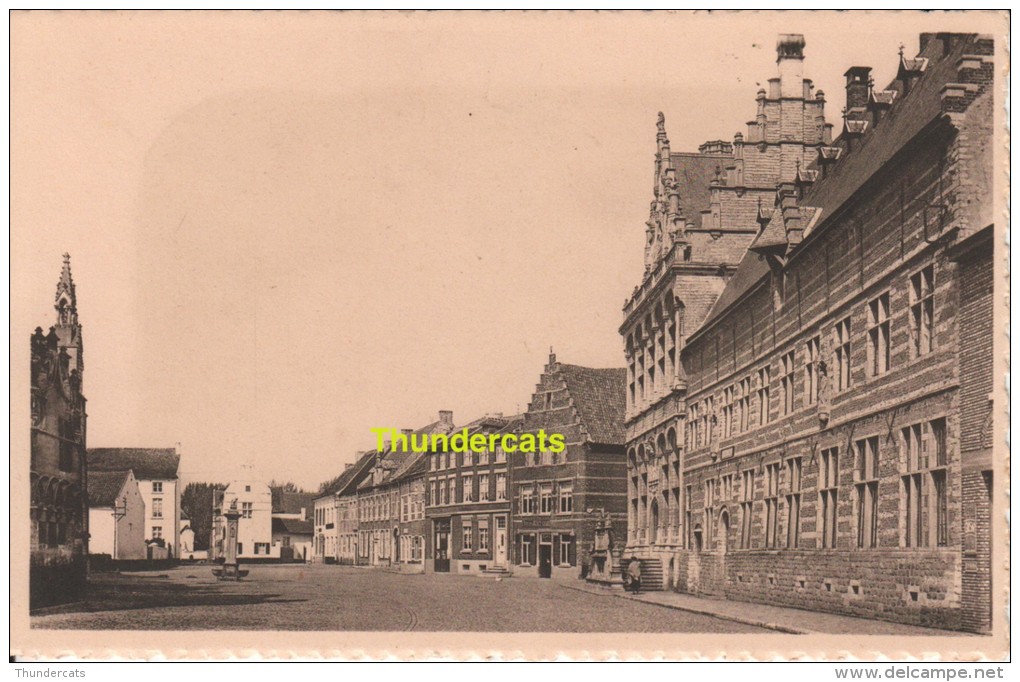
(230, 569)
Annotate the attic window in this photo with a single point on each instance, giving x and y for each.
(548, 401)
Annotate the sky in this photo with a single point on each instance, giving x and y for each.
(287, 229)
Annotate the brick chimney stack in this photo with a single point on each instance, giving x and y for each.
(858, 89)
(446, 417)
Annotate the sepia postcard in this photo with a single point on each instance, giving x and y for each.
(509, 335)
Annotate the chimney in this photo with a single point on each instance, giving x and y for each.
(790, 58)
(858, 87)
(406, 432)
(552, 357)
(446, 417)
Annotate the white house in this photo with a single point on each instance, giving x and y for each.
(156, 470)
(116, 515)
(255, 525)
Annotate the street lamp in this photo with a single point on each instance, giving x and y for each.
(119, 512)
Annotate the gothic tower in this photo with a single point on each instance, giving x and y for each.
(67, 328)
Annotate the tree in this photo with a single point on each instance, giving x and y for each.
(197, 503)
(277, 490)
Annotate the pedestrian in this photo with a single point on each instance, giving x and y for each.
(634, 571)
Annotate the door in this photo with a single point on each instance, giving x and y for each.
(545, 561)
(722, 544)
(442, 559)
(500, 557)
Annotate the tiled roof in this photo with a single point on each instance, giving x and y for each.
(398, 463)
(149, 464)
(352, 475)
(599, 397)
(292, 526)
(293, 502)
(907, 118)
(104, 486)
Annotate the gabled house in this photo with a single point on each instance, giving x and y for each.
(156, 470)
(379, 495)
(255, 525)
(556, 494)
(116, 515)
(334, 522)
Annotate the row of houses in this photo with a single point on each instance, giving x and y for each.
(805, 413)
(489, 511)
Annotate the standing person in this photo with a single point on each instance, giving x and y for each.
(634, 571)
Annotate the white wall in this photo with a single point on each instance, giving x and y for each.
(126, 534)
(101, 530)
(258, 528)
(170, 520)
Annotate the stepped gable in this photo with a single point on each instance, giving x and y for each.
(598, 398)
(148, 463)
(854, 164)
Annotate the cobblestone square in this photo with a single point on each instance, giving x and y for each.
(326, 597)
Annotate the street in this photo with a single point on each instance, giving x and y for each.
(327, 597)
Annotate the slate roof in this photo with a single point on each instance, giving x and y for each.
(772, 236)
(695, 172)
(907, 118)
(104, 486)
(599, 397)
(148, 463)
(292, 526)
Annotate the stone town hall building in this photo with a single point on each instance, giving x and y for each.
(59, 503)
(809, 361)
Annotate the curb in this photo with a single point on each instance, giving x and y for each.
(703, 612)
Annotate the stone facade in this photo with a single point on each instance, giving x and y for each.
(807, 448)
(58, 473)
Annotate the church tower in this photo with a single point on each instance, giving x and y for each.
(67, 328)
